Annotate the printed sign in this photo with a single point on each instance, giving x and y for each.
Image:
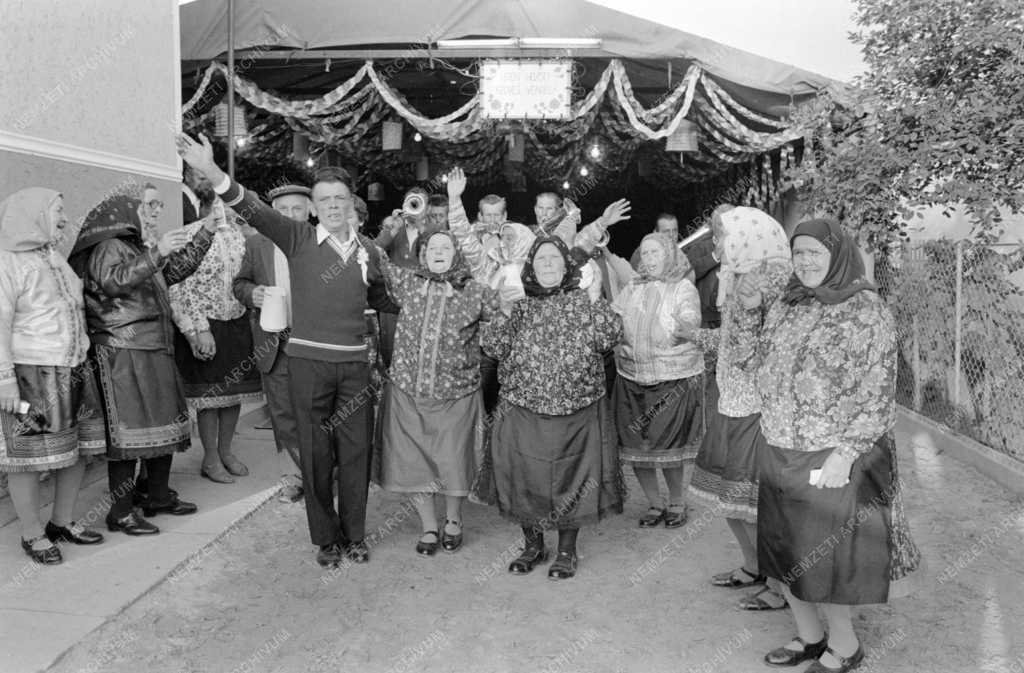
(526, 89)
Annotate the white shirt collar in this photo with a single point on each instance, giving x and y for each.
(322, 235)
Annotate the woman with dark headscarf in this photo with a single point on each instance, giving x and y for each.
(48, 414)
(555, 465)
(830, 524)
(433, 410)
(129, 323)
(659, 391)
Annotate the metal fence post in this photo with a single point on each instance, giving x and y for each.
(915, 349)
(958, 323)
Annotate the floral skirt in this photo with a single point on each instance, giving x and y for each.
(63, 422)
(843, 546)
(659, 425)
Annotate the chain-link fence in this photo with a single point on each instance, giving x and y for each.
(959, 310)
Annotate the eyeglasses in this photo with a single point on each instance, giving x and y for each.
(155, 204)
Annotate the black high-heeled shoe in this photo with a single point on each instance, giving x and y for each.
(845, 663)
(451, 543)
(50, 556)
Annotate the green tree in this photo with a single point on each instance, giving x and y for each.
(937, 119)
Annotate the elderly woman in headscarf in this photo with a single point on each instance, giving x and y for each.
(129, 323)
(831, 526)
(659, 390)
(48, 412)
(433, 410)
(554, 461)
(213, 348)
(747, 241)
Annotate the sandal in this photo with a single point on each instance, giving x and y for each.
(755, 602)
(564, 566)
(425, 548)
(845, 663)
(676, 516)
(733, 580)
(451, 543)
(653, 517)
(784, 656)
(528, 560)
(48, 556)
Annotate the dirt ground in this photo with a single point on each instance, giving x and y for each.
(257, 601)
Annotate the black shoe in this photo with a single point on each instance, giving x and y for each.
(451, 543)
(329, 555)
(173, 506)
(783, 656)
(528, 560)
(675, 518)
(564, 567)
(50, 556)
(75, 533)
(427, 548)
(652, 518)
(131, 524)
(141, 493)
(845, 663)
(357, 552)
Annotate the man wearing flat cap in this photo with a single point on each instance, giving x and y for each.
(264, 265)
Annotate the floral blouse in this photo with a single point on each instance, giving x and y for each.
(826, 374)
(207, 292)
(437, 342)
(550, 351)
(650, 313)
(738, 395)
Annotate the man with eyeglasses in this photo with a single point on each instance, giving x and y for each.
(150, 208)
(334, 273)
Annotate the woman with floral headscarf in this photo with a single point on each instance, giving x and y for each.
(129, 324)
(831, 526)
(658, 394)
(554, 462)
(433, 411)
(747, 241)
(48, 408)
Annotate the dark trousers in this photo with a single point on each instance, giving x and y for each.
(388, 326)
(121, 480)
(489, 382)
(279, 404)
(332, 403)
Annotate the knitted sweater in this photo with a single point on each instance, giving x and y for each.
(330, 292)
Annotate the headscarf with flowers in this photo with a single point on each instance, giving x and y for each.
(752, 240)
(570, 280)
(677, 266)
(457, 275)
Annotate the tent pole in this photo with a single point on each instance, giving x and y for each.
(231, 88)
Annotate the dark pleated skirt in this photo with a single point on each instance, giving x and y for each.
(61, 422)
(228, 379)
(555, 471)
(725, 473)
(431, 446)
(143, 403)
(833, 545)
(660, 425)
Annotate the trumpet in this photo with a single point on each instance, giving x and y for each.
(414, 205)
(695, 236)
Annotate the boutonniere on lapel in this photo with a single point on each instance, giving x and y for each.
(363, 259)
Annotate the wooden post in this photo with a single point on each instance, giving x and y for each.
(915, 350)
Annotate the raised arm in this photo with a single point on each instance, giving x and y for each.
(118, 269)
(183, 263)
(283, 231)
(459, 225)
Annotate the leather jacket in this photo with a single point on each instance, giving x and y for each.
(126, 302)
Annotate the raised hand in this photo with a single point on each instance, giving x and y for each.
(749, 290)
(456, 183)
(199, 155)
(617, 211)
